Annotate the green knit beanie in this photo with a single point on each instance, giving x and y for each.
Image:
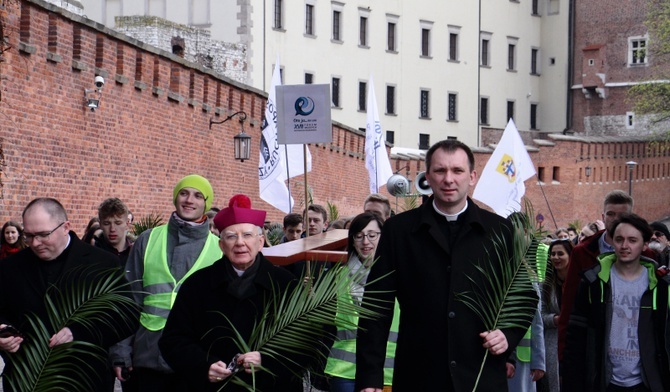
(196, 182)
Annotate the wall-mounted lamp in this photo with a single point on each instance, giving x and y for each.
(242, 141)
(587, 171)
(92, 96)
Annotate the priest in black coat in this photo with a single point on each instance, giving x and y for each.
(197, 341)
(56, 262)
(426, 256)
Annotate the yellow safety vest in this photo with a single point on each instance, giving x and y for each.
(159, 283)
(342, 359)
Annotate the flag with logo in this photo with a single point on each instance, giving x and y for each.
(501, 185)
(376, 158)
(272, 163)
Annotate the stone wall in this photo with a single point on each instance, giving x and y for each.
(228, 59)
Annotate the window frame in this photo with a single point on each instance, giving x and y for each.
(424, 108)
(390, 100)
(484, 103)
(335, 93)
(426, 39)
(310, 21)
(278, 15)
(362, 95)
(485, 40)
(632, 50)
(452, 106)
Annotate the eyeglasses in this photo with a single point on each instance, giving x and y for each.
(43, 236)
(372, 235)
(232, 238)
(659, 234)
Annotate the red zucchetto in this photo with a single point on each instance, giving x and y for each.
(238, 211)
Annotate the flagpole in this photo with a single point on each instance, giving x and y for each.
(546, 200)
(288, 179)
(376, 173)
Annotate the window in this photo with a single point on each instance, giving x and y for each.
(390, 137)
(533, 116)
(425, 42)
(451, 107)
(390, 99)
(425, 104)
(362, 95)
(533, 61)
(511, 53)
(390, 37)
(511, 58)
(454, 32)
(309, 19)
(426, 26)
(363, 32)
(510, 110)
(336, 92)
(278, 14)
(483, 110)
(309, 78)
(424, 141)
(637, 50)
(485, 43)
(337, 25)
(630, 120)
(534, 7)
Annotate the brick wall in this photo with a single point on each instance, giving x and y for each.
(602, 30)
(152, 128)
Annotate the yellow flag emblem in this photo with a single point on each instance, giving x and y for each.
(507, 168)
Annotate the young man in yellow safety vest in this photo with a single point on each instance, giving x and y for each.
(159, 262)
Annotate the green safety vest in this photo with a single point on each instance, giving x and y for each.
(342, 359)
(523, 349)
(159, 283)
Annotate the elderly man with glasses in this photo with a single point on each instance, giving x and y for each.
(58, 263)
(197, 341)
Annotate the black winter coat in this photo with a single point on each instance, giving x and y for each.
(23, 289)
(197, 334)
(439, 347)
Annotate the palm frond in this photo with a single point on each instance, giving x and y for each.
(147, 222)
(93, 297)
(293, 322)
(508, 275)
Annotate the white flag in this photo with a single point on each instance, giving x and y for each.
(376, 159)
(272, 164)
(501, 184)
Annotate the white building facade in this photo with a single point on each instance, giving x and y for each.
(441, 69)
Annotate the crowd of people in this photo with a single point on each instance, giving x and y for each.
(200, 283)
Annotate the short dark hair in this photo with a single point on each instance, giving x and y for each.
(377, 198)
(450, 146)
(618, 196)
(634, 220)
(292, 219)
(318, 208)
(357, 225)
(112, 207)
(566, 243)
(52, 206)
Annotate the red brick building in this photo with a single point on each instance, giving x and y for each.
(610, 55)
(152, 128)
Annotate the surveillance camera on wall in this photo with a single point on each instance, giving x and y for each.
(99, 82)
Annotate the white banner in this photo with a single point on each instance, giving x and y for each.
(272, 164)
(376, 158)
(501, 185)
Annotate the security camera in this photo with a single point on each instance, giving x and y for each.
(99, 81)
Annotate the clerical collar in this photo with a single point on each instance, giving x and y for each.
(450, 217)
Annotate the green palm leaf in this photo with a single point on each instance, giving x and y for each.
(502, 302)
(94, 297)
(293, 322)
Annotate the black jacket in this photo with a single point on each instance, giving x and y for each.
(23, 289)
(585, 365)
(439, 347)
